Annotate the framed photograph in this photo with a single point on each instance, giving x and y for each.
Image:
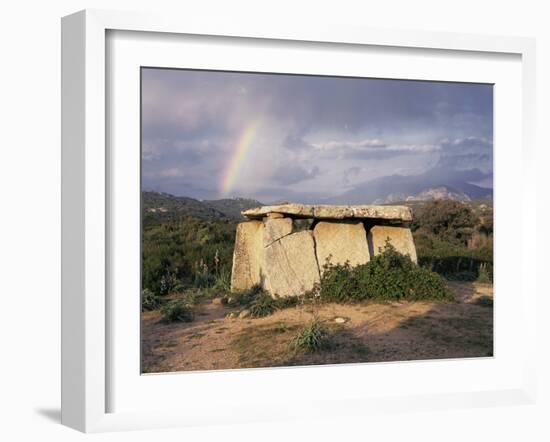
(274, 222)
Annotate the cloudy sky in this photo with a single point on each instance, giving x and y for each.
(212, 135)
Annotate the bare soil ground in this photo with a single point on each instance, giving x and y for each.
(373, 332)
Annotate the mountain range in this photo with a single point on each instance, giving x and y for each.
(436, 183)
(439, 182)
(165, 206)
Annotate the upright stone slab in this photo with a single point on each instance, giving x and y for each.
(247, 255)
(290, 266)
(275, 229)
(339, 242)
(400, 237)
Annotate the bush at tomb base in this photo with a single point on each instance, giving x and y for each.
(389, 276)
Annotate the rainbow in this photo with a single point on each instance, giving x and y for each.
(238, 157)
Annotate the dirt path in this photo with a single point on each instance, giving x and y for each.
(372, 332)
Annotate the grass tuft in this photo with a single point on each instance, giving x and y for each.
(313, 337)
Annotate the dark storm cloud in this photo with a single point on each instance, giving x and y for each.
(190, 104)
(193, 122)
(382, 105)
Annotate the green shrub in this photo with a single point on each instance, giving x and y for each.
(389, 276)
(449, 220)
(311, 338)
(455, 239)
(246, 297)
(422, 284)
(287, 301)
(339, 283)
(177, 311)
(263, 305)
(149, 300)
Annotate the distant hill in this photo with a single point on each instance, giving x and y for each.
(164, 206)
(429, 194)
(232, 207)
(440, 193)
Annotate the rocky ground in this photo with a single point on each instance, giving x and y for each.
(370, 332)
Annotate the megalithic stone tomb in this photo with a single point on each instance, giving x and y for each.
(272, 251)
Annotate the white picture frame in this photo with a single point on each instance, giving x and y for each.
(87, 206)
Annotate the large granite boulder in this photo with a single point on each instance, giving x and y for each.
(290, 266)
(338, 242)
(400, 237)
(247, 255)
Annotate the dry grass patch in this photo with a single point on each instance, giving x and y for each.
(371, 332)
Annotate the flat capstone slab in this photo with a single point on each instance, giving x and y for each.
(322, 211)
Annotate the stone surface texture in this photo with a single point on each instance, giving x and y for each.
(296, 210)
(247, 255)
(290, 266)
(400, 237)
(395, 213)
(274, 215)
(339, 242)
(275, 229)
